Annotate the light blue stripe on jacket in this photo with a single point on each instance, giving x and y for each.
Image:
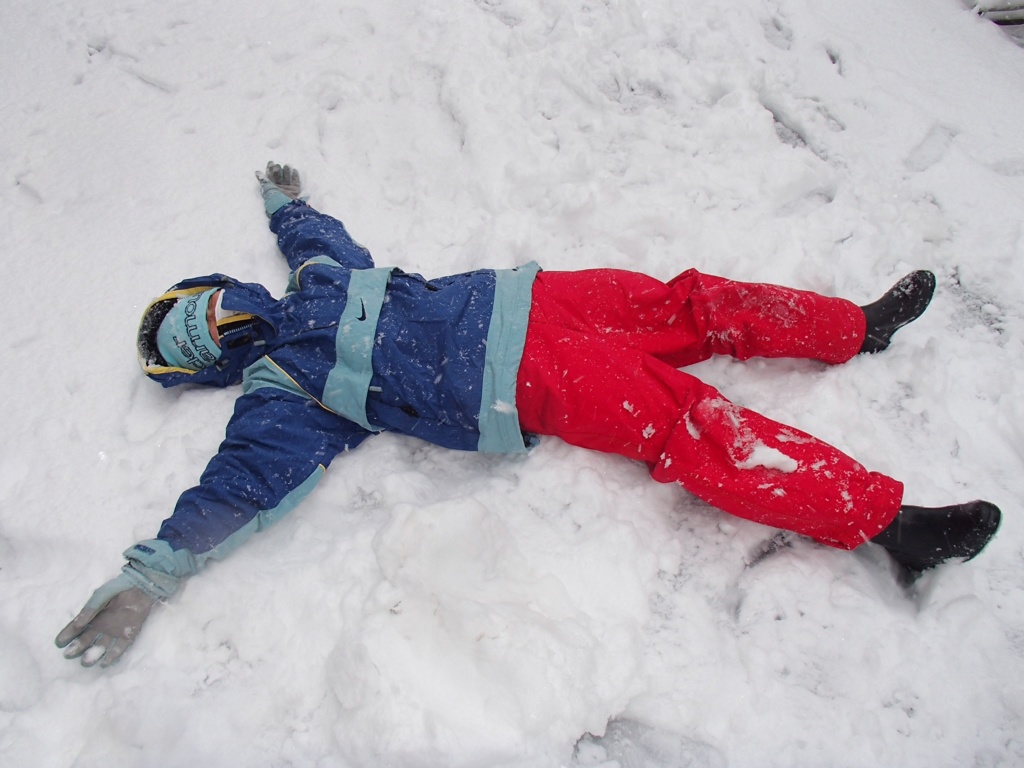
(506, 338)
(348, 383)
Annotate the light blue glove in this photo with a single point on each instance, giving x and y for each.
(279, 185)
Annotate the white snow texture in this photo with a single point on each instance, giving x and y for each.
(433, 608)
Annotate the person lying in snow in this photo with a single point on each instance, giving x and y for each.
(488, 361)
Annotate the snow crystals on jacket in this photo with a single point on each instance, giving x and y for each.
(349, 350)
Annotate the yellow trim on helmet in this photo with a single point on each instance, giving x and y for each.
(158, 369)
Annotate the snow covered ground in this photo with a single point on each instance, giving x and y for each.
(427, 608)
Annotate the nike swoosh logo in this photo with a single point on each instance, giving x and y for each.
(363, 315)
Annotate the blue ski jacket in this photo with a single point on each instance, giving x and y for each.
(350, 350)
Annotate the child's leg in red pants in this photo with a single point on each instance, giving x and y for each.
(694, 316)
(598, 371)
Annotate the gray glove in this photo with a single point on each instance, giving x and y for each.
(279, 186)
(109, 623)
(285, 178)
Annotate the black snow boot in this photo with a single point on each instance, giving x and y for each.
(902, 304)
(920, 538)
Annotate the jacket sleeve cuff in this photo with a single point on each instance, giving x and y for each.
(157, 569)
(274, 200)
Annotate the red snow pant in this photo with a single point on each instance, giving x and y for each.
(600, 371)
